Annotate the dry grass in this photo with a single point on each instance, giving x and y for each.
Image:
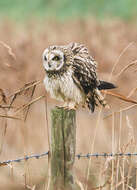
(113, 44)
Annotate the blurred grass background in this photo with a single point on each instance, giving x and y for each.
(62, 9)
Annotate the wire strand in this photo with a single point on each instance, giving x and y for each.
(88, 155)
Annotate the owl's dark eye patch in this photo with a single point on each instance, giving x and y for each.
(56, 58)
(45, 58)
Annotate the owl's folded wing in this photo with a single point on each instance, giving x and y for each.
(84, 75)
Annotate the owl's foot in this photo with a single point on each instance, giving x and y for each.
(68, 106)
(64, 106)
(72, 106)
(60, 107)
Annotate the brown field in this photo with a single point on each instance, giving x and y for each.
(113, 45)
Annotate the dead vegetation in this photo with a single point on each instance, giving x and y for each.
(25, 106)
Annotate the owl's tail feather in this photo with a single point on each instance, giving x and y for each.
(91, 102)
(94, 98)
(105, 85)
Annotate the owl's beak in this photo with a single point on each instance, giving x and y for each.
(49, 64)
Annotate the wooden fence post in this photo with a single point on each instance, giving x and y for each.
(62, 155)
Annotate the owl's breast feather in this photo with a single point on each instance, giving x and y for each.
(63, 88)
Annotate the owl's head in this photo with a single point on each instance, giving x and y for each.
(53, 59)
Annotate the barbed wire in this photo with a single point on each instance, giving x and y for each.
(105, 155)
(37, 156)
(88, 155)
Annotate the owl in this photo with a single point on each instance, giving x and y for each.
(71, 76)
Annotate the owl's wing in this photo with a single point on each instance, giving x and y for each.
(84, 73)
(84, 67)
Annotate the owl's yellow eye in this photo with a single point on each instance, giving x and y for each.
(56, 58)
(45, 58)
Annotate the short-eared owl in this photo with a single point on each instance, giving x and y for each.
(71, 76)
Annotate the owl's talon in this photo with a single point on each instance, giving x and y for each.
(66, 107)
(59, 107)
(72, 106)
(69, 108)
(72, 109)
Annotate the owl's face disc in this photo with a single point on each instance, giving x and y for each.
(53, 60)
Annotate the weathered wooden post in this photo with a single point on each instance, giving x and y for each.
(62, 155)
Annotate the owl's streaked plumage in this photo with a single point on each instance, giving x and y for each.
(71, 76)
